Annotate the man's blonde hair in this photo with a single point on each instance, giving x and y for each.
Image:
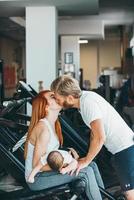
(66, 85)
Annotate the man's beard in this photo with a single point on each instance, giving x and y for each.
(67, 105)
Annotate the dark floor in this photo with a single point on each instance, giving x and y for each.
(8, 183)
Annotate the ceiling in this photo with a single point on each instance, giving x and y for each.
(10, 8)
(117, 4)
(64, 7)
(12, 30)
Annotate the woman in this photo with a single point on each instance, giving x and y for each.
(44, 135)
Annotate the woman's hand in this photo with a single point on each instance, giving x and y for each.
(73, 152)
(30, 179)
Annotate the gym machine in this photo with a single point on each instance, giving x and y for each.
(1, 81)
(71, 137)
(13, 162)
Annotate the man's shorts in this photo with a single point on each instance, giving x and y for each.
(124, 165)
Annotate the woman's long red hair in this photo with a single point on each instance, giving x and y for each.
(39, 111)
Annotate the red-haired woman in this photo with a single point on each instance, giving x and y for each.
(44, 136)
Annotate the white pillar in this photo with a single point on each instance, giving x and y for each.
(69, 44)
(41, 44)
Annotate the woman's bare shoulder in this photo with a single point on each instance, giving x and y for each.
(41, 128)
(39, 132)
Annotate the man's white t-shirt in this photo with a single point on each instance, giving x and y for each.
(118, 135)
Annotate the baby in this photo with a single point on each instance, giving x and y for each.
(56, 160)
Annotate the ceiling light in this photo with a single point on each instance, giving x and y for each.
(83, 41)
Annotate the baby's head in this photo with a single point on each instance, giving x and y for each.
(55, 160)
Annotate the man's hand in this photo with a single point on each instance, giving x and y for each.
(70, 169)
(82, 163)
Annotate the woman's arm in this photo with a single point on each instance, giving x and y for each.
(46, 168)
(35, 170)
(41, 143)
(39, 167)
(73, 152)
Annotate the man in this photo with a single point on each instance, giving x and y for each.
(107, 128)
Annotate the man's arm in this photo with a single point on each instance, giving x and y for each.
(96, 142)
